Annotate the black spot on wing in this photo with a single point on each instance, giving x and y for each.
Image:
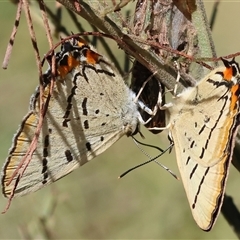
(202, 129)
(199, 188)
(69, 104)
(84, 106)
(44, 170)
(67, 112)
(192, 144)
(45, 153)
(193, 171)
(75, 79)
(65, 121)
(44, 165)
(86, 124)
(202, 153)
(46, 141)
(88, 146)
(74, 90)
(68, 155)
(45, 177)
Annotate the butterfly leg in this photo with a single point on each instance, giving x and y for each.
(143, 85)
(178, 78)
(158, 105)
(142, 106)
(167, 105)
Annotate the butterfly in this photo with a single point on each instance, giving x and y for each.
(89, 109)
(203, 122)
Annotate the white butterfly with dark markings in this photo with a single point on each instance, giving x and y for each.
(203, 122)
(90, 108)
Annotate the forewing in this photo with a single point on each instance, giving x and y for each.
(86, 114)
(203, 130)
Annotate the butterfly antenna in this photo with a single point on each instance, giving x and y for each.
(160, 149)
(147, 145)
(151, 159)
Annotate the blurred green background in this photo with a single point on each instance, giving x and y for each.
(91, 202)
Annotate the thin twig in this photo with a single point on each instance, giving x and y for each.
(33, 36)
(12, 38)
(45, 22)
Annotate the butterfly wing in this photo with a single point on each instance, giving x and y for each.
(89, 110)
(203, 128)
